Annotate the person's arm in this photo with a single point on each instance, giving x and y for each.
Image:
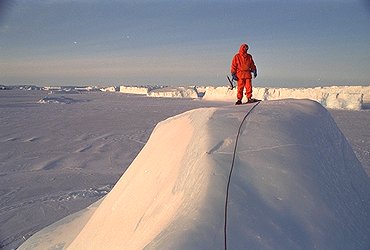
(253, 68)
(234, 67)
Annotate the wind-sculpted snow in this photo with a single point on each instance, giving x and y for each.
(134, 90)
(175, 92)
(138, 90)
(161, 91)
(336, 97)
(59, 100)
(295, 183)
(109, 89)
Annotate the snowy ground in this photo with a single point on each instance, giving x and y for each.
(58, 158)
(67, 151)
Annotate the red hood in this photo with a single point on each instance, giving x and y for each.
(241, 49)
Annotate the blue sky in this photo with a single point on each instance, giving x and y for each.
(83, 42)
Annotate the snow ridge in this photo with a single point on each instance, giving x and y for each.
(296, 184)
(334, 97)
(346, 97)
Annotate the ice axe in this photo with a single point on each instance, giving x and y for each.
(231, 87)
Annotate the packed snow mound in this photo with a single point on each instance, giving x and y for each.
(109, 89)
(294, 182)
(138, 90)
(87, 88)
(64, 92)
(174, 92)
(336, 97)
(161, 91)
(134, 90)
(59, 100)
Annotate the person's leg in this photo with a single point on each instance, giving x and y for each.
(248, 88)
(241, 84)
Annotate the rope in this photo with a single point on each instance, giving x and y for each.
(231, 170)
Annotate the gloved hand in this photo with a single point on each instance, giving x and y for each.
(255, 73)
(234, 77)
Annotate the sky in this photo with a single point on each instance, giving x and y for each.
(294, 43)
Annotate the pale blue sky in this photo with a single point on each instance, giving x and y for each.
(83, 42)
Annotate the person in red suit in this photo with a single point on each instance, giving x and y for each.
(242, 67)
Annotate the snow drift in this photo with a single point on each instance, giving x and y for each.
(134, 90)
(284, 177)
(59, 100)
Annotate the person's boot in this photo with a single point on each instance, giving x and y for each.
(238, 102)
(251, 100)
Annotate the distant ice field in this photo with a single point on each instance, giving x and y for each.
(61, 152)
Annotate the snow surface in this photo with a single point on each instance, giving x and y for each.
(59, 99)
(57, 234)
(294, 183)
(56, 159)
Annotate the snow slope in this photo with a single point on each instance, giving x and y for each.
(56, 235)
(294, 183)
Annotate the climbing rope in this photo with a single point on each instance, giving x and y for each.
(231, 170)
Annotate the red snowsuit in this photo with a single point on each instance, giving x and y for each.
(242, 65)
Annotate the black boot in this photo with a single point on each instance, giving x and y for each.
(238, 102)
(252, 100)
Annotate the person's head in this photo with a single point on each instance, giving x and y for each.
(244, 48)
